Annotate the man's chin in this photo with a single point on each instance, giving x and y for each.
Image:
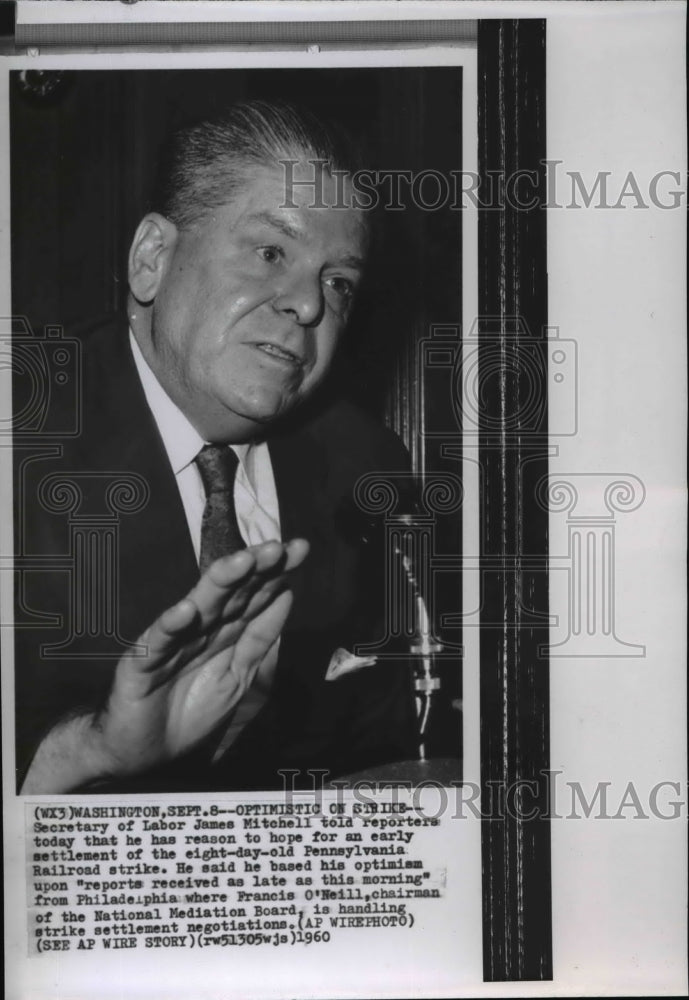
(259, 417)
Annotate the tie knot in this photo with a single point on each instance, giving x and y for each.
(218, 467)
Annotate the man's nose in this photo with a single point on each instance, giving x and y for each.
(301, 296)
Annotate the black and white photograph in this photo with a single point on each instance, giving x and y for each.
(344, 499)
(110, 541)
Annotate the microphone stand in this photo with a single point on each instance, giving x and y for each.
(424, 648)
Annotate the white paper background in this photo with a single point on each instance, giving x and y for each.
(617, 285)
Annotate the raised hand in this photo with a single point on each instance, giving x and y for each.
(202, 656)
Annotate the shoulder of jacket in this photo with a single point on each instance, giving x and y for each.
(351, 428)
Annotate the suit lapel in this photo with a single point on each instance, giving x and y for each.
(300, 481)
(308, 500)
(300, 478)
(156, 558)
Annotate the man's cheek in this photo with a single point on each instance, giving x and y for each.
(326, 348)
(228, 306)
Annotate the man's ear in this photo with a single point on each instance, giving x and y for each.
(152, 247)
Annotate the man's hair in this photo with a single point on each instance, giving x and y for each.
(204, 165)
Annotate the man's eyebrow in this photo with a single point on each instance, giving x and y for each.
(352, 260)
(294, 233)
(277, 222)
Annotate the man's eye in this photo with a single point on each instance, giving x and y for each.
(342, 287)
(271, 255)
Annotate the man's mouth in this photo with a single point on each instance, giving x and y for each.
(280, 353)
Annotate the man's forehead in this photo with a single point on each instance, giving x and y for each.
(263, 201)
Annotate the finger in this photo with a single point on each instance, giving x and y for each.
(175, 619)
(261, 633)
(224, 584)
(264, 557)
(297, 550)
(272, 556)
(262, 597)
(168, 632)
(273, 562)
(228, 632)
(231, 673)
(167, 643)
(257, 594)
(225, 587)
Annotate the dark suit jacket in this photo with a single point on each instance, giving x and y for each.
(65, 661)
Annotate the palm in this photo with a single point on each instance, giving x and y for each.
(203, 656)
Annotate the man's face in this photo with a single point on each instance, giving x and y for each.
(252, 303)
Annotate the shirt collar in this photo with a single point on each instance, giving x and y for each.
(182, 441)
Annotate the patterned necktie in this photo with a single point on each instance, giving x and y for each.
(220, 533)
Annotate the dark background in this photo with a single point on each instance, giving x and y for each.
(84, 146)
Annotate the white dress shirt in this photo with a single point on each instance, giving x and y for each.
(255, 498)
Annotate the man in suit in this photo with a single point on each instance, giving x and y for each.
(241, 286)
